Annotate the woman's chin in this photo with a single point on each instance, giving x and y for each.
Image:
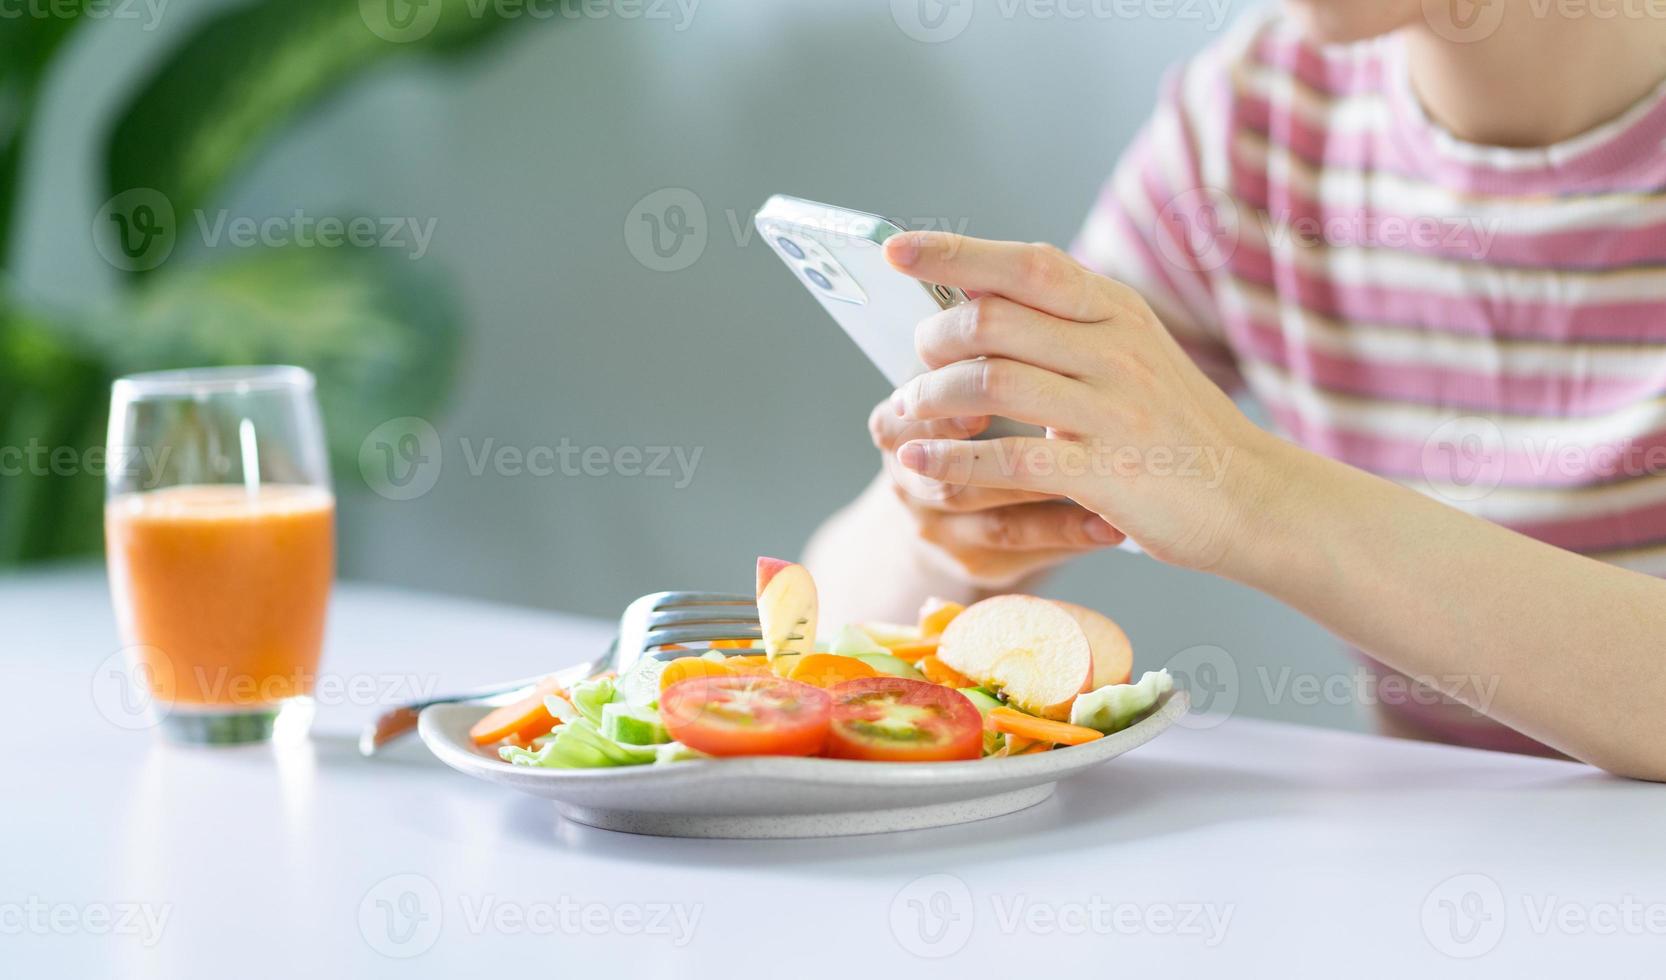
(1350, 21)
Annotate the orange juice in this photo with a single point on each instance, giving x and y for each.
(222, 591)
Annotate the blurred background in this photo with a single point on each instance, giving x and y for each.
(514, 241)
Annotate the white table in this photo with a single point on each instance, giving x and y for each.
(1249, 847)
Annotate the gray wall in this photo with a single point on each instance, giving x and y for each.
(531, 160)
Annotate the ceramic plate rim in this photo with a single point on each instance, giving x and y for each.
(467, 759)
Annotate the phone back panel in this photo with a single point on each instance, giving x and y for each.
(838, 254)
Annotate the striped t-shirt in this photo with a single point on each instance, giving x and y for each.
(1485, 325)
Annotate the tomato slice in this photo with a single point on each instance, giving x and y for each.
(895, 719)
(751, 714)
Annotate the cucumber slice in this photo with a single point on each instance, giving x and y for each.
(886, 663)
(677, 752)
(640, 684)
(632, 725)
(851, 641)
(981, 699)
(1114, 707)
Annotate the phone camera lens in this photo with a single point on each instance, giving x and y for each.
(815, 276)
(790, 247)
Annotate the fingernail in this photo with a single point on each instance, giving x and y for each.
(903, 250)
(913, 456)
(899, 404)
(1100, 531)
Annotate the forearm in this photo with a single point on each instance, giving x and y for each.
(1560, 647)
(869, 563)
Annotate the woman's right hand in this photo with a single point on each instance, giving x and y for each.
(987, 538)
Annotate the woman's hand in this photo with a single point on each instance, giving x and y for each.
(988, 538)
(1137, 434)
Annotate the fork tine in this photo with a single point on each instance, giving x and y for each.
(708, 614)
(699, 634)
(726, 651)
(668, 600)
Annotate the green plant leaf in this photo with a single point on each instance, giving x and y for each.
(28, 40)
(52, 403)
(375, 328)
(245, 74)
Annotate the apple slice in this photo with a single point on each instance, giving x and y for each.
(1030, 650)
(1113, 655)
(786, 607)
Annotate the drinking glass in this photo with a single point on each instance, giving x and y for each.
(219, 528)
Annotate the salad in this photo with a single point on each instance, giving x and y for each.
(1010, 675)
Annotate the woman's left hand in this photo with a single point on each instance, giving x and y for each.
(1137, 433)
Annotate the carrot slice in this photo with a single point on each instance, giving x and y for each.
(748, 665)
(526, 719)
(939, 672)
(1015, 722)
(732, 644)
(936, 615)
(827, 669)
(914, 651)
(684, 668)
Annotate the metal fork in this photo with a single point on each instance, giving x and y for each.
(648, 625)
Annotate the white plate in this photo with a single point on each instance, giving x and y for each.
(785, 797)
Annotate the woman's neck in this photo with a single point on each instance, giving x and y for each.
(1542, 76)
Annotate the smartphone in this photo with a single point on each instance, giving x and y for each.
(838, 254)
